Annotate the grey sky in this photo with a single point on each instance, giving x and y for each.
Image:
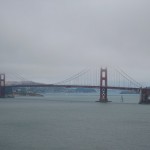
(50, 39)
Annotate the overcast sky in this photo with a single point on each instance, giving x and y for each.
(51, 39)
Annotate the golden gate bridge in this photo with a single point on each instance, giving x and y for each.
(102, 79)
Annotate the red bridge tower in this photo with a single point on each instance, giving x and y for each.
(2, 85)
(103, 85)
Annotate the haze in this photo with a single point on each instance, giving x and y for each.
(48, 40)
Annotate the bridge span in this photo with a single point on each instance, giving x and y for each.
(73, 86)
(103, 87)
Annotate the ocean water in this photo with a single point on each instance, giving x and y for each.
(74, 122)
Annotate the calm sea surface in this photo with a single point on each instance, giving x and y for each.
(74, 122)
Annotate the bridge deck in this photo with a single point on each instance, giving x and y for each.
(72, 86)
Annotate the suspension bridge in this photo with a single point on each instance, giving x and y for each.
(102, 79)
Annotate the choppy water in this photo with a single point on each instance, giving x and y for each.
(69, 122)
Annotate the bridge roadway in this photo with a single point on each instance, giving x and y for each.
(73, 86)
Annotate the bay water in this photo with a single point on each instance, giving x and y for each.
(74, 122)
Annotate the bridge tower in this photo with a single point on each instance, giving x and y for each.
(103, 85)
(144, 96)
(2, 85)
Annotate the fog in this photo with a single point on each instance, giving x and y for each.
(48, 40)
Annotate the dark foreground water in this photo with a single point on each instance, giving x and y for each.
(65, 122)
